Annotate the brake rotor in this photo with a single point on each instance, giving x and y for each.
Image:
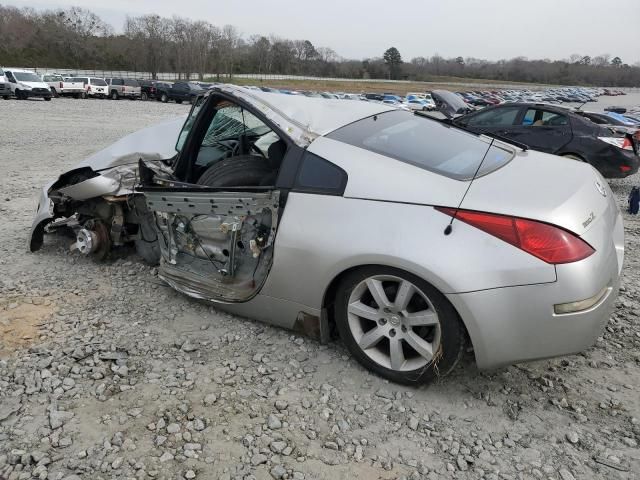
(93, 239)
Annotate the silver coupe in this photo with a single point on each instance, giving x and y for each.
(409, 237)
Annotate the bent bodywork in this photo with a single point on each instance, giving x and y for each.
(94, 198)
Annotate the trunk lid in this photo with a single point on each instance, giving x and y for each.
(450, 104)
(537, 186)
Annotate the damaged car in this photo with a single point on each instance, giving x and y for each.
(409, 237)
(95, 200)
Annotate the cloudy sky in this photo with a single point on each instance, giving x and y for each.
(491, 29)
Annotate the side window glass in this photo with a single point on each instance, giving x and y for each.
(186, 128)
(542, 118)
(529, 117)
(553, 119)
(498, 117)
(317, 175)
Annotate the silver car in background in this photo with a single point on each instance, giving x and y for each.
(407, 236)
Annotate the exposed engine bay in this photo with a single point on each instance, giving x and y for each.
(216, 246)
(100, 210)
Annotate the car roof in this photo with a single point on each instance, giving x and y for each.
(304, 118)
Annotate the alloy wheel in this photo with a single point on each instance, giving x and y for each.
(394, 323)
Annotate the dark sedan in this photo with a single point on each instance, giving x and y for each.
(559, 131)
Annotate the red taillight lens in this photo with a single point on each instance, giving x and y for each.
(548, 243)
(625, 168)
(60, 84)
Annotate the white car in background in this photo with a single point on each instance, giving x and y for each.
(25, 84)
(420, 104)
(93, 87)
(5, 88)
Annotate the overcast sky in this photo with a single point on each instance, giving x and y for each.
(491, 29)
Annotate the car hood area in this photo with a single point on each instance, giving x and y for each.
(34, 84)
(157, 141)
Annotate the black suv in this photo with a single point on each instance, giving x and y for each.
(179, 92)
(149, 89)
(612, 150)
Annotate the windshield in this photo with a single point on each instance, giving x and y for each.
(98, 82)
(26, 77)
(425, 143)
(186, 128)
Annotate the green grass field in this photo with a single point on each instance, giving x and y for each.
(379, 86)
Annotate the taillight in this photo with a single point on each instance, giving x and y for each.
(621, 142)
(88, 88)
(547, 242)
(60, 84)
(625, 168)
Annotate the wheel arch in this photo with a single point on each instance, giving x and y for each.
(328, 298)
(572, 154)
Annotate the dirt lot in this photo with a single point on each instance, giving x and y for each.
(107, 373)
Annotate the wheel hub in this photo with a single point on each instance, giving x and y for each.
(394, 322)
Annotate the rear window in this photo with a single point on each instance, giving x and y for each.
(131, 83)
(425, 143)
(98, 82)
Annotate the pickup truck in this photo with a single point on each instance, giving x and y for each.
(63, 87)
(123, 87)
(5, 88)
(178, 92)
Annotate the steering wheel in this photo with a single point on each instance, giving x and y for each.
(252, 149)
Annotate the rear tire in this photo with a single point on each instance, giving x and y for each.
(54, 92)
(47, 99)
(240, 171)
(178, 101)
(164, 98)
(144, 97)
(114, 95)
(391, 333)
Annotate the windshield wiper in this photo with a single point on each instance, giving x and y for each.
(452, 123)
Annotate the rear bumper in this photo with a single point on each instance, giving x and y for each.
(616, 163)
(37, 94)
(71, 91)
(518, 324)
(130, 95)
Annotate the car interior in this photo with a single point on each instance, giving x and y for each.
(237, 149)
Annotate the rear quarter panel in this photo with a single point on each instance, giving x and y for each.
(321, 236)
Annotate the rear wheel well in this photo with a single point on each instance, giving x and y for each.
(328, 302)
(575, 156)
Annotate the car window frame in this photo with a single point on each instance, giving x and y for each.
(186, 158)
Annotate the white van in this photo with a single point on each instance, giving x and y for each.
(5, 88)
(25, 84)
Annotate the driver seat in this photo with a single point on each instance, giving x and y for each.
(276, 153)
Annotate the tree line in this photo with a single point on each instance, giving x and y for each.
(78, 38)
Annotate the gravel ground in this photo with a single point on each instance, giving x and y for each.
(107, 373)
